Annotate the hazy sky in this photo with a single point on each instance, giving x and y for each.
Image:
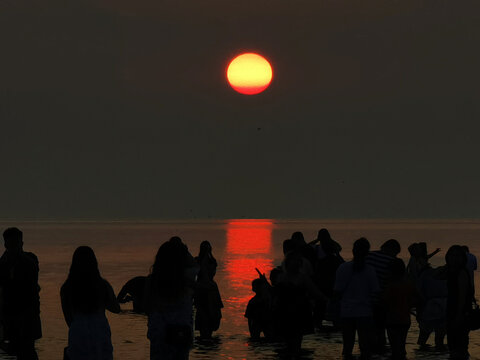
(116, 109)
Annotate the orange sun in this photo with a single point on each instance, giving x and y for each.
(249, 74)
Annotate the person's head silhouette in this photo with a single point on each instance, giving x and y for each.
(13, 238)
(361, 247)
(456, 258)
(84, 263)
(205, 248)
(391, 247)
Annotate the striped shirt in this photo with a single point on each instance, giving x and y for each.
(381, 263)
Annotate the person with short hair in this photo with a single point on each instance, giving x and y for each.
(381, 260)
(259, 310)
(459, 302)
(399, 297)
(21, 300)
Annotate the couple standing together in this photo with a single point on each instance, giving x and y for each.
(168, 301)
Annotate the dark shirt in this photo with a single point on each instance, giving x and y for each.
(21, 300)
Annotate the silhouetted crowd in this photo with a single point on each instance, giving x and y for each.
(372, 296)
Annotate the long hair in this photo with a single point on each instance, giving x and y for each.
(205, 250)
(84, 284)
(168, 270)
(361, 247)
(206, 261)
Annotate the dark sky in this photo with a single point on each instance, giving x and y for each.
(119, 109)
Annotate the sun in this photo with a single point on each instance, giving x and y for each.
(249, 73)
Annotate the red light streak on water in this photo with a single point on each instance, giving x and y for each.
(249, 245)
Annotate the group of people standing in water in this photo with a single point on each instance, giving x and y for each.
(373, 296)
(177, 282)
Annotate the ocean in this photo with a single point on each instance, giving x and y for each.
(127, 249)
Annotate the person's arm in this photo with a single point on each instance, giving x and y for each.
(122, 295)
(437, 250)
(111, 303)
(263, 278)
(66, 307)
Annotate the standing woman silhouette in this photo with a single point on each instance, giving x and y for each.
(169, 301)
(207, 299)
(85, 295)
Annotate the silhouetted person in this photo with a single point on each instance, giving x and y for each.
(21, 301)
(355, 283)
(324, 244)
(328, 261)
(259, 310)
(399, 297)
(459, 302)
(306, 251)
(85, 296)
(134, 290)
(294, 293)
(432, 310)
(169, 302)
(381, 260)
(471, 265)
(418, 260)
(207, 300)
(296, 245)
(275, 275)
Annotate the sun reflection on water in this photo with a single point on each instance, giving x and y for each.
(249, 246)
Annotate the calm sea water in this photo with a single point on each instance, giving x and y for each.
(127, 249)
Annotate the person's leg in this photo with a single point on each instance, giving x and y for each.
(393, 340)
(458, 339)
(440, 333)
(348, 334)
(379, 340)
(403, 332)
(366, 336)
(424, 333)
(254, 329)
(294, 344)
(26, 350)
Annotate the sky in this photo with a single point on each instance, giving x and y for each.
(116, 109)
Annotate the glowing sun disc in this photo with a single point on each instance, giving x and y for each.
(249, 74)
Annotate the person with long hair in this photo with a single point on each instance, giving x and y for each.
(355, 283)
(207, 299)
(85, 296)
(169, 301)
(294, 294)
